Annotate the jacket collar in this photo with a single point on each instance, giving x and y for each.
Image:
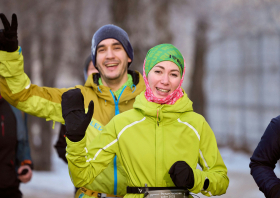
(163, 112)
(104, 91)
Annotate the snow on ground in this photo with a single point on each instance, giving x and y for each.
(56, 183)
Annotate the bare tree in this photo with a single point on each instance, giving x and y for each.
(27, 19)
(197, 94)
(53, 35)
(46, 38)
(145, 24)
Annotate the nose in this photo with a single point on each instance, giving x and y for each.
(110, 53)
(165, 79)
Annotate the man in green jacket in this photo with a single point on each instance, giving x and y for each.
(113, 90)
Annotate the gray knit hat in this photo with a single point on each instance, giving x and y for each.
(111, 31)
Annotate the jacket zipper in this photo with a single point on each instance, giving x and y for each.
(117, 111)
(2, 125)
(157, 118)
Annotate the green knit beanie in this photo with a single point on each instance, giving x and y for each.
(164, 52)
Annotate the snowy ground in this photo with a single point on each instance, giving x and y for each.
(50, 184)
(56, 183)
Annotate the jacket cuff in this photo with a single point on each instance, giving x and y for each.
(199, 178)
(11, 63)
(27, 162)
(7, 56)
(75, 147)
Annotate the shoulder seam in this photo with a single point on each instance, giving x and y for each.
(190, 126)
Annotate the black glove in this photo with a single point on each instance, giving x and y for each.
(73, 112)
(8, 35)
(182, 175)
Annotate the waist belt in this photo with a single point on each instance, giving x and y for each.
(142, 190)
(96, 194)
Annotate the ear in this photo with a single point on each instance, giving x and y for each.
(129, 60)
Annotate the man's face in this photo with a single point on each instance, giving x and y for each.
(111, 60)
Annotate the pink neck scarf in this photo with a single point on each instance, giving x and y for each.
(170, 99)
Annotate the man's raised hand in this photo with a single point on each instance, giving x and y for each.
(8, 35)
(73, 112)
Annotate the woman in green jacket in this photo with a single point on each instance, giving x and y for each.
(159, 142)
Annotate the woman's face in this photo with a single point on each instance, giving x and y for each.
(164, 78)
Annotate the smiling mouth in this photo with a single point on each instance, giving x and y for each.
(111, 65)
(163, 90)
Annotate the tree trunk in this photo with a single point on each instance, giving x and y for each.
(196, 91)
(141, 16)
(41, 134)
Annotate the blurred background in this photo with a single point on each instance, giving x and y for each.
(232, 54)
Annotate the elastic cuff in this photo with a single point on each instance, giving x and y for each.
(27, 162)
(75, 138)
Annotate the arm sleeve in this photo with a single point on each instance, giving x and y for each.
(60, 145)
(85, 163)
(23, 156)
(17, 89)
(212, 166)
(265, 157)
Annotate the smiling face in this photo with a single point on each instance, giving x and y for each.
(164, 78)
(112, 61)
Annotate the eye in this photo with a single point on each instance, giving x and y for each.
(174, 75)
(117, 47)
(157, 71)
(101, 50)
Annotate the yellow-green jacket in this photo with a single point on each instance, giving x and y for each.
(44, 102)
(148, 140)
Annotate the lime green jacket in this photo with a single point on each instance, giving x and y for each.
(148, 140)
(45, 102)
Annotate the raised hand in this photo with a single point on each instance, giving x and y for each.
(73, 112)
(8, 35)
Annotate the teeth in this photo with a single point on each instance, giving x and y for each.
(163, 90)
(110, 65)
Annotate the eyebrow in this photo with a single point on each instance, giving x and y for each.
(164, 68)
(117, 43)
(102, 45)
